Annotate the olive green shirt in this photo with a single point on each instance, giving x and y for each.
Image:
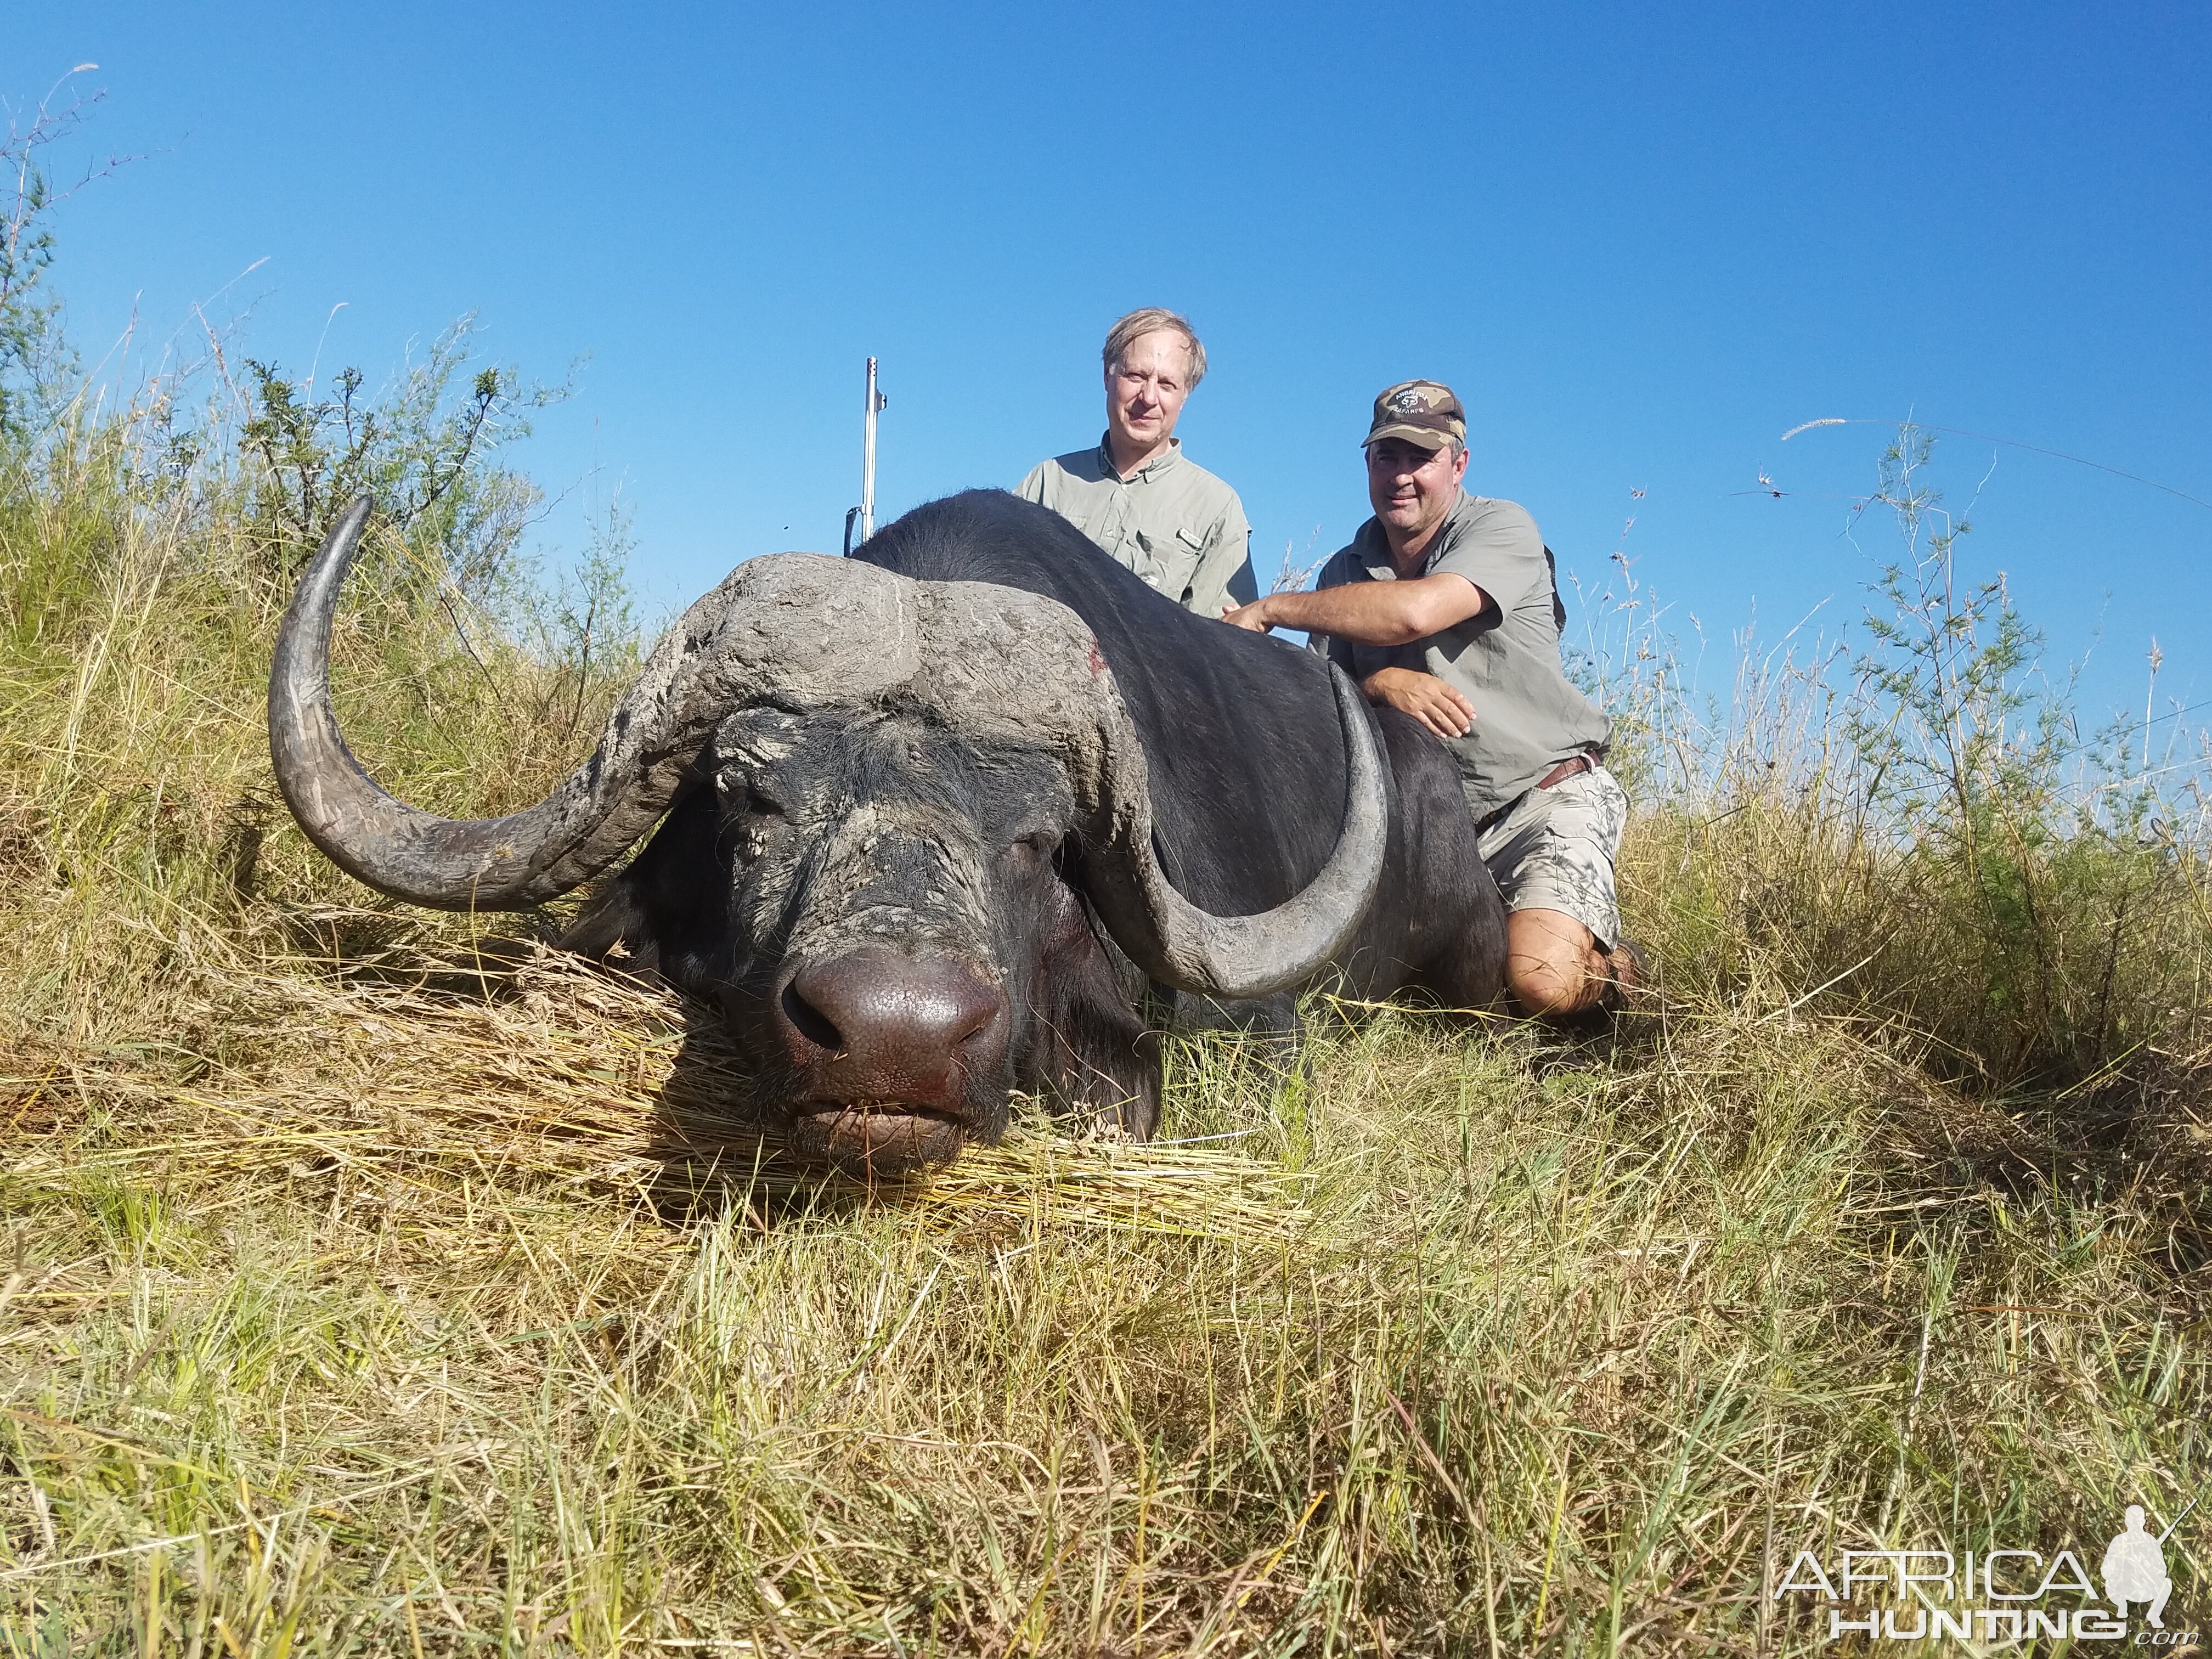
(1504, 660)
(1171, 521)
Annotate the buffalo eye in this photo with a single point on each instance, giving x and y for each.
(741, 795)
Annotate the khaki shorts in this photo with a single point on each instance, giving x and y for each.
(1553, 850)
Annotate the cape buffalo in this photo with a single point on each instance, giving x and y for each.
(932, 817)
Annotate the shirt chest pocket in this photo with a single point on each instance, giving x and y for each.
(1177, 555)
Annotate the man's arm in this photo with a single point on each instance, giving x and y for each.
(1373, 613)
(1384, 613)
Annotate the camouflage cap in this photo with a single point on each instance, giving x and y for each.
(1423, 412)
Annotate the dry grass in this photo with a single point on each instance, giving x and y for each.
(588, 1084)
(434, 1331)
(372, 1286)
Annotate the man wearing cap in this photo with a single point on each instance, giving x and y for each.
(1165, 517)
(1445, 606)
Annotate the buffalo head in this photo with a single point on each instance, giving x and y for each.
(899, 821)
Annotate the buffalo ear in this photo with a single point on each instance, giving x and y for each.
(667, 911)
(612, 928)
(1094, 1056)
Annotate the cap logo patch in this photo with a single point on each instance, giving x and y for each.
(1409, 403)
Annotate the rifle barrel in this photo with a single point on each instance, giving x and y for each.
(868, 459)
(2176, 1520)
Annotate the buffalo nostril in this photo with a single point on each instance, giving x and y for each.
(896, 1023)
(809, 1021)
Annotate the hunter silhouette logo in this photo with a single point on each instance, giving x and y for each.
(2135, 1566)
(1997, 1594)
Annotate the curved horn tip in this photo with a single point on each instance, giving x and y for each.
(1240, 957)
(585, 823)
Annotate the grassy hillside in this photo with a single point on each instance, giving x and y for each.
(374, 1286)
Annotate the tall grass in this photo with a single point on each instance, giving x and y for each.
(1918, 831)
(374, 1284)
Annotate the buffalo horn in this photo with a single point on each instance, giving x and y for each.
(1008, 667)
(788, 625)
(1233, 956)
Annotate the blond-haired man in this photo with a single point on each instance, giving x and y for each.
(1151, 509)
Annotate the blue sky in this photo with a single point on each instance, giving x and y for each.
(1641, 242)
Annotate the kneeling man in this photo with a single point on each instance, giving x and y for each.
(1445, 606)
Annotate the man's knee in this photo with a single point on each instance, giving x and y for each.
(1545, 991)
(1551, 962)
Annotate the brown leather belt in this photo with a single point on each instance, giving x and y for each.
(1585, 762)
(1566, 768)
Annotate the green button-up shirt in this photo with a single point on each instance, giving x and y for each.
(1171, 521)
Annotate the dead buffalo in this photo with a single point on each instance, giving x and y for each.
(951, 818)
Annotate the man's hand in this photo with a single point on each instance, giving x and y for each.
(1424, 696)
(1251, 617)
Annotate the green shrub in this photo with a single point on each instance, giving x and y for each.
(1916, 833)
